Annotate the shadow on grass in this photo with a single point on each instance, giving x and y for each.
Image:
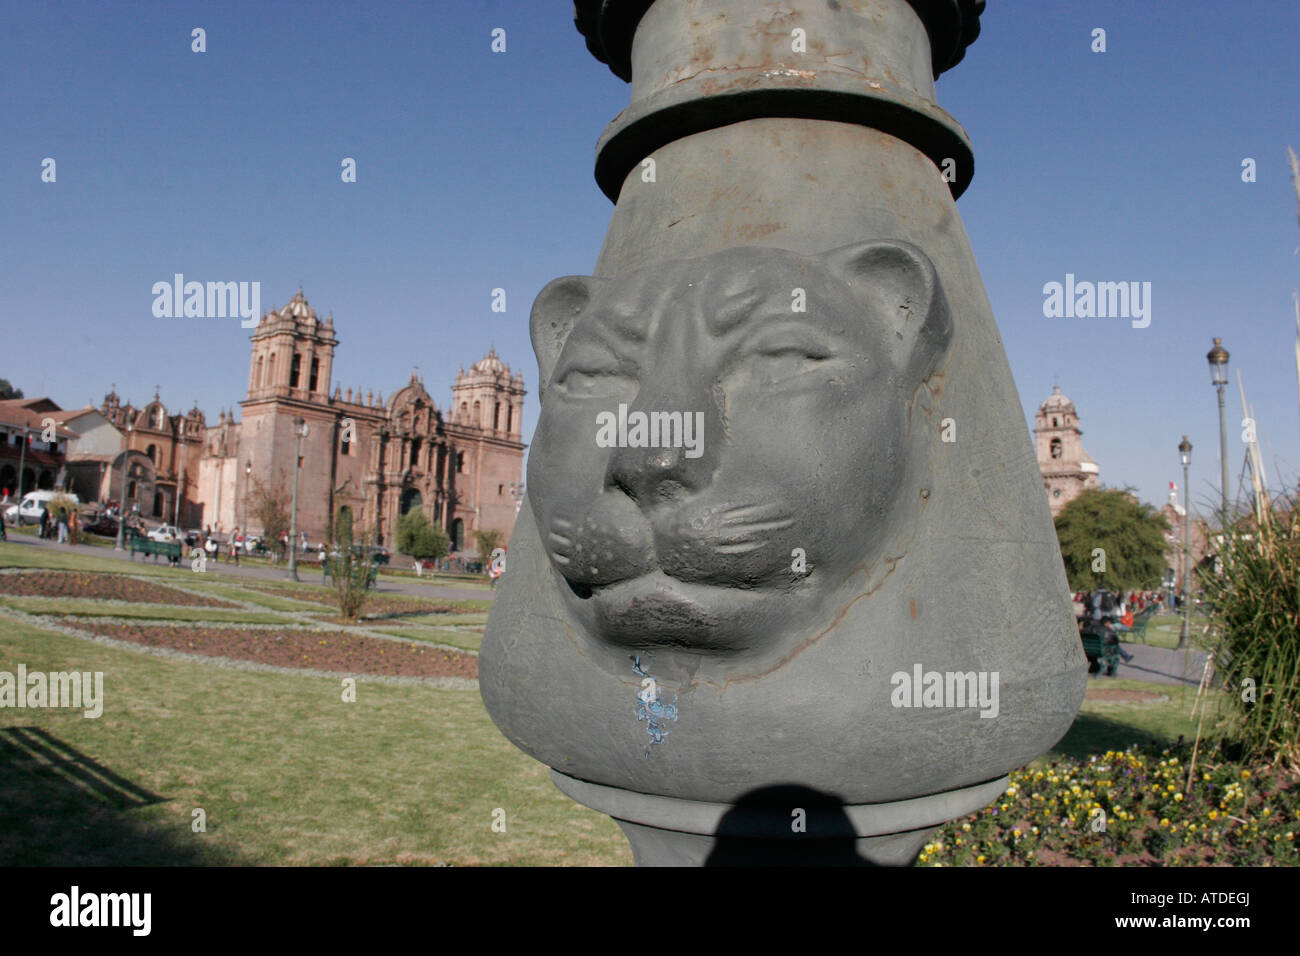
(59, 807)
(1095, 734)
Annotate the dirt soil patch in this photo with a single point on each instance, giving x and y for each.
(377, 605)
(102, 587)
(311, 650)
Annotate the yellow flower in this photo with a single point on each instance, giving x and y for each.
(979, 859)
(1266, 812)
(1164, 821)
(1178, 798)
(1245, 775)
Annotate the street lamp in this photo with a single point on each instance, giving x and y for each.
(180, 479)
(248, 476)
(300, 430)
(1185, 452)
(121, 503)
(1218, 359)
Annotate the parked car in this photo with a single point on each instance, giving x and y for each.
(165, 532)
(30, 509)
(194, 538)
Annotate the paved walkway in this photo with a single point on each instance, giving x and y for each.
(308, 571)
(1162, 665)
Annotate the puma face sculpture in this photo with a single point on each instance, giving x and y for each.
(723, 440)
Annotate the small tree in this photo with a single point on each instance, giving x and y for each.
(487, 542)
(419, 538)
(8, 391)
(349, 570)
(1111, 540)
(270, 507)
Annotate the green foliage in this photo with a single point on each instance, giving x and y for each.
(1130, 532)
(487, 542)
(349, 571)
(1254, 605)
(420, 539)
(7, 391)
(270, 508)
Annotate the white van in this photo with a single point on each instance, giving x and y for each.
(30, 509)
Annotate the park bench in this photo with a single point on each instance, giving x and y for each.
(168, 549)
(1140, 622)
(327, 570)
(1102, 657)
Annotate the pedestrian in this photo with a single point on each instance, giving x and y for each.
(63, 526)
(4, 536)
(74, 528)
(44, 531)
(236, 545)
(210, 546)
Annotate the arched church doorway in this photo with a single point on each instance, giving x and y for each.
(411, 498)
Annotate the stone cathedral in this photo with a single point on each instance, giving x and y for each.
(376, 458)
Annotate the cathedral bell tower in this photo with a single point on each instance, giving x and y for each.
(1066, 467)
(293, 352)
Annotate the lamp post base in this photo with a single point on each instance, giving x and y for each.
(777, 826)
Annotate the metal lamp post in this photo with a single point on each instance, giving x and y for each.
(300, 430)
(248, 476)
(121, 504)
(22, 465)
(1185, 451)
(1218, 359)
(180, 480)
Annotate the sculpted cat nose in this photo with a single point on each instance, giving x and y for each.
(659, 453)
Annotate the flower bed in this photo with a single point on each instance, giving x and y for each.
(101, 587)
(1130, 808)
(309, 650)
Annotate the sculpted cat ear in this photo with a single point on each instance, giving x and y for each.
(901, 284)
(555, 311)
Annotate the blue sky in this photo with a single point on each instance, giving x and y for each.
(474, 171)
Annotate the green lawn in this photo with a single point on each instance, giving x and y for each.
(1114, 725)
(62, 606)
(288, 773)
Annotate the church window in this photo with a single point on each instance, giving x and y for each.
(294, 370)
(152, 452)
(460, 463)
(509, 417)
(478, 416)
(415, 453)
(315, 371)
(344, 445)
(1053, 421)
(259, 381)
(1056, 448)
(496, 417)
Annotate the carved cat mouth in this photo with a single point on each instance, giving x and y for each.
(718, 544)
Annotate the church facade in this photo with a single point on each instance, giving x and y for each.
(376, 459)
(1066, 467)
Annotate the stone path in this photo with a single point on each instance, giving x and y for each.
(1161, 665)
